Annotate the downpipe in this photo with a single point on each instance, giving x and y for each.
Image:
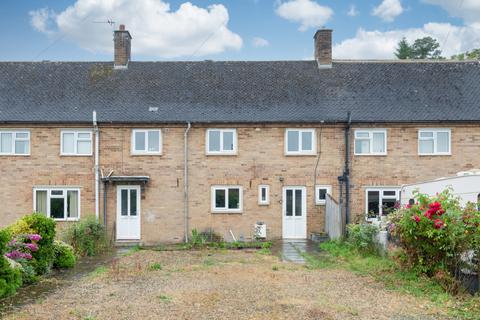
(96, 168)
(185, 184)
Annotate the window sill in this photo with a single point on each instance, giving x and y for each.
(66, 220)
(321, 203)
(227, 212)
(301, 154)
(14, 155)
(136, 154)
(434, 154)
(370, 154)
(76, 155)
(221, 154)
(265, 204)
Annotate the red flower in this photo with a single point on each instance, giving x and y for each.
(428, 214)
(408, 206)
(438, 224)
(440, 212)
(416, 218)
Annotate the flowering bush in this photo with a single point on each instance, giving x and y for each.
(22, 246)
(435, 232)
(10, 278)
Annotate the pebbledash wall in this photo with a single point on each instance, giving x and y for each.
(260, 160)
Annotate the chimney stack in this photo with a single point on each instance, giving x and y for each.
(323, 48)
(122, 46)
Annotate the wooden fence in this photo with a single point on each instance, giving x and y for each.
(334, 219)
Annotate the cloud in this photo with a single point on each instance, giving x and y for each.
(468, 10)
(258, 42)
(155, 28)
(381, 45)
(352, 12)
(388, 10)
(306, 12)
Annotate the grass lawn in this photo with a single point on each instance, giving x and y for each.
(245, 284)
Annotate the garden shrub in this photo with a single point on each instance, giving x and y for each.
(87, 237)
(10, 278)
(21, 249)
(64, 255)
(361, 237)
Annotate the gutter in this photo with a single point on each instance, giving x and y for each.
(96, 168)
(185, 184)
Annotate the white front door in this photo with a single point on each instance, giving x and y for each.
(294, 213)
(128, 212)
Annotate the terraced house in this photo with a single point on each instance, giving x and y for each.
(155, 149)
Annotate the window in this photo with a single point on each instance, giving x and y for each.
(263, 194)
(381, 201)
(221, 141)
(321, 194)
(57, 203)
(300, 142)
(227, 199)
(434, 142)
(14, 142)
(371, 142)
(147, 141)
(76, 143)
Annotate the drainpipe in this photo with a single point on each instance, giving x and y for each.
(347, 169)
(97, 178)
(185, 177)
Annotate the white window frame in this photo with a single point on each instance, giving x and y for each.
(380, 190)
(328, 188)
(300, 151)
(222, 151)
(134, 151)
(14, 140)
(64, 196)
(265, 202)
(226, 210)
(435, 132)
(75, 142)
(370, 138)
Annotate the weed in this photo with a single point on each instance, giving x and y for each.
(275, 268)
(132, 250)
(208, 262)
(155, 266)
(164, 298)
(98, 271)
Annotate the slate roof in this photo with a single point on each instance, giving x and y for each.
(239, 92)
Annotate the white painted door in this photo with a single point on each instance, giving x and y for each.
(128, 212)
(294, 213)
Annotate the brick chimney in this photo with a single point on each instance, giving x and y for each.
(323, 48)
(122, 43)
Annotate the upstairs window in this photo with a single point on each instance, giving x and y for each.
(371, 142)
(58, 203)
(14, 142)
(300, 142)
(321, 194)
(434, 141)
(221, 141)
(147, 141)
(227, 199)
(263, 194)
(76, 143)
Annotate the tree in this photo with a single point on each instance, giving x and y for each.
(422, 48)
(404, 51)
(469, 55)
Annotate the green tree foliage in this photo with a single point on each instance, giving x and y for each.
(422, 48)
(404, 51)
(469, 55)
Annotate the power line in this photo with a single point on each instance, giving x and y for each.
(205, 41)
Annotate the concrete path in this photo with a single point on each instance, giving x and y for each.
(292, 250)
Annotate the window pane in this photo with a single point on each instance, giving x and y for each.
(140, 141)
(228, 141)
(426, 146)
(292, 141)
(57, 208)
(21, 135)
(307, 141)
(6, 142)
(389, 193)
(220, 198)
(362, 134)
(68, 143)
(373, 202)
(214, 140)
(362, 146)
(133, 202)
(72, 204)
(154, 141)
(442, 142)
(388, 206)
(84, 135)
(21, 146)
(84, 147)
(322, 194)
(41, 201)
(298, 203)
(57, 192)
(378, 142)
(124, 203)
(426, 134)
(264, 194)
(289, 204)
(234, 198)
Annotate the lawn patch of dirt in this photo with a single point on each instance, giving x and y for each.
(223, 285)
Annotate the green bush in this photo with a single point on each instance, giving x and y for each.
(28, 274)
(361, 237)
(87, 237)
(64, 255)
(10, 278)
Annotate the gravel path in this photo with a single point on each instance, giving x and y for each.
(223, 285)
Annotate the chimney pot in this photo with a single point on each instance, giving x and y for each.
(122, 47)
(323, 48)
(122, 27)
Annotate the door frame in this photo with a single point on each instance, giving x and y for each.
(284, 209)
(119, 208)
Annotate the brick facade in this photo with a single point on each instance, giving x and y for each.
(260, 160)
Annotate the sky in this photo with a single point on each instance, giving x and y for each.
(79, 30)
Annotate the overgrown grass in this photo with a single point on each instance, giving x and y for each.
(98, 271)
(335, 254)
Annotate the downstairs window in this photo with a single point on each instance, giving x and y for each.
(381, 201)
(227, 199)
(58, 203)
